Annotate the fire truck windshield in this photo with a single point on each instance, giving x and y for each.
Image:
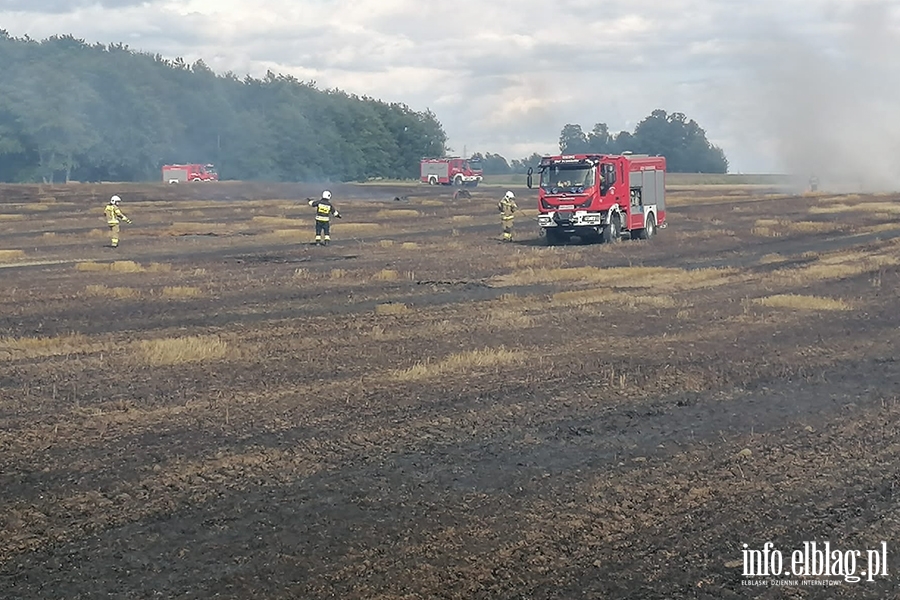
(474, 165)
(574, 179)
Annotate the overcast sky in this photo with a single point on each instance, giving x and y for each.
(764, 78)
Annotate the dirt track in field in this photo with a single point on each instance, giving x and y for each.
(220, 409)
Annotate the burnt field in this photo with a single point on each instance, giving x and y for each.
(219, 409)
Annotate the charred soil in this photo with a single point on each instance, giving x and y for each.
(219, 408)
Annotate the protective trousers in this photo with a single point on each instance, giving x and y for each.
(507, 228)
(323, 228)
(114, 234)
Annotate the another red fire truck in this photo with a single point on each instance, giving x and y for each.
(192, 172)
(597, 196)
(451, 170)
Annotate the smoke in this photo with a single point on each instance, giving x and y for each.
(831, 107)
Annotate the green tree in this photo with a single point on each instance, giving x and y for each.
(683, 142)
(572, 140)
(90, 112)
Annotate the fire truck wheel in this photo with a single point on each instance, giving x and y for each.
(458, 180)
(650, 229)
(432, 180)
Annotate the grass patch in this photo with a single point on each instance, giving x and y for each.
(607, 296)
(769, 259)
(626, 277)
(8, 217)
(386, 243)
(429, 202)
(461, 362)
(122, 266)
(11, 255)
(392, 308)
(801, 302)
(878, 207)
(776, 228)
(839, 266)
(125, 266)
(159, 268)
(39, 347)
(398, 213)
(386, 275)
(881, 227)
(174, 351)
(89, 266)
(409, 245)
(462, 218)
(112, 292)
(180, 291)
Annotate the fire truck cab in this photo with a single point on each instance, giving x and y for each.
(600, 197)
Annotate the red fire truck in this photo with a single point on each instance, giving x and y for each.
(192, 172)
(597, 196)
(451, 170)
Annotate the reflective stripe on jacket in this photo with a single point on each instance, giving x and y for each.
(324, 210)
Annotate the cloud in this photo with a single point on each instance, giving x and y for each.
(64, 6)
(505, 76)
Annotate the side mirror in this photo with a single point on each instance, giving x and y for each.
(530, 180)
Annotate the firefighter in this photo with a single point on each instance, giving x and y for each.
(113, 214)
(324, 210)
(813, 183)
(507, 208)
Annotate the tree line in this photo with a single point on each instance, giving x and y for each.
(73, 111)
(683, 142)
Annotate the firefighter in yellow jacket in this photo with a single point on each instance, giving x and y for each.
(113, 215)
(507, 208)
(324, 211)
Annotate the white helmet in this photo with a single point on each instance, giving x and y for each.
(326, 195)
(509, 196)
(115, 200)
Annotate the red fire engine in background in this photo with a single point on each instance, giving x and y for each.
(451, 170)
(597, 196)
(192, 172)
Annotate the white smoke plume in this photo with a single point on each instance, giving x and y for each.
(831, 107)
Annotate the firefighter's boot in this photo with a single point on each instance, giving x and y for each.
(327, 239)
(318, 240)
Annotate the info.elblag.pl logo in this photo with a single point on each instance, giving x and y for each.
(816, 563)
